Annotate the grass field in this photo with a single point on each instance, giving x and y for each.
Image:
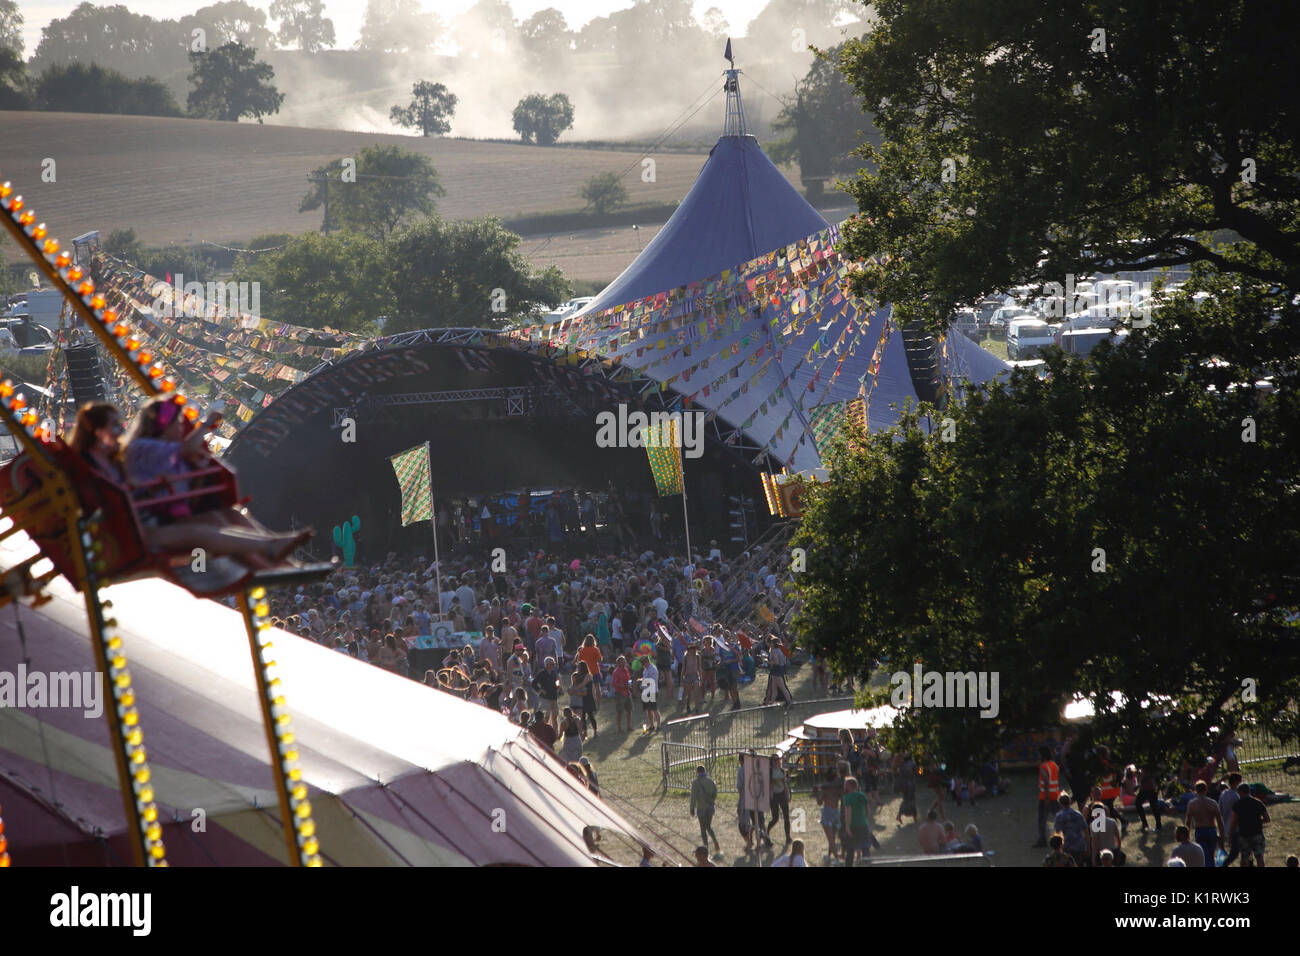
(173, 180)
(629, 768)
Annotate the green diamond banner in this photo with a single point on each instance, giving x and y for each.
(412, 468)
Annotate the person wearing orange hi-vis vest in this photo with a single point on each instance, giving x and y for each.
(1049, 789)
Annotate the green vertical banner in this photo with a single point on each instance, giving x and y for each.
(665, 453)
(416, 482)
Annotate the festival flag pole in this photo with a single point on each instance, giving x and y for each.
(433, 523)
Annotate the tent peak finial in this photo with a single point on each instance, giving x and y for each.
(734, 123)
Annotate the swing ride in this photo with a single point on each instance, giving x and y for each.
(89, 529)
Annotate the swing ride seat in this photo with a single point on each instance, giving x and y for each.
(122, 516)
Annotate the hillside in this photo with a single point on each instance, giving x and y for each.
(177, 179)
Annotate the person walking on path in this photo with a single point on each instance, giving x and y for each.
(1247, 827)
(1049, 791)
(779, 799)
(1205, 822)
(1148, 784)
(704, 800)
(853, 806)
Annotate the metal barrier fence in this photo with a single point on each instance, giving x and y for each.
(1265, 759)
(713, 740)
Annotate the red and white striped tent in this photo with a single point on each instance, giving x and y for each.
(399, 774)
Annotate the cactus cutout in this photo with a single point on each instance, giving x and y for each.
(345, 540)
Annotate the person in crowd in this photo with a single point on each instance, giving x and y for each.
(542, 730)
(161, 444)
(1249, 816)
(1070, 823)
(622, 685)
(793, 858)
(930, 834)
(570, 736)
(827, 794)
(1049, 792)
(690, 678)
(579, 684)
(1148, 787)
(1190, 853)
(591, 656)
(649, 687)
(855, 821)
(546, 682)
(702, 857)
(1205, 821)
(1104, 831)
(1056, 857)
(704, 799)
(779, 799)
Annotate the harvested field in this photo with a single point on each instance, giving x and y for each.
(176, 179)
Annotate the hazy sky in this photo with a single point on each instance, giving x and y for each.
(348, 14)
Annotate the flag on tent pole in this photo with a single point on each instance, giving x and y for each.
(665, 454)
(414, 478)
(727, 55)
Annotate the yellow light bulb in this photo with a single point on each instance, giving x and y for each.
(307, 828)
(304, 810)
(40, 232)
(154, 832)
(311, 847)
(50, 246)
(146, 795)
(131, 718)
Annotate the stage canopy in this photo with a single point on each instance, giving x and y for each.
(739, 207)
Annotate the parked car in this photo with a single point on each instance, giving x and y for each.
(24, 337)
(1027, 336)
(1082, 341)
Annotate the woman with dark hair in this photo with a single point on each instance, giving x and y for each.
(580, 682)
(571, 734)
(96, 436)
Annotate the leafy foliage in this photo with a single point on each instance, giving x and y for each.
(339, 281)
(397, 26)
(391, 185)
(465, 273)
(541, 119)
(11, 27)
(230, 21)
(604, 192)
(89, 88)
(430, 110)
(115, 38)
(229, 83)
(14, 81)
(303, 24)
(822, 124)
(1065, 155)
(980, 553)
